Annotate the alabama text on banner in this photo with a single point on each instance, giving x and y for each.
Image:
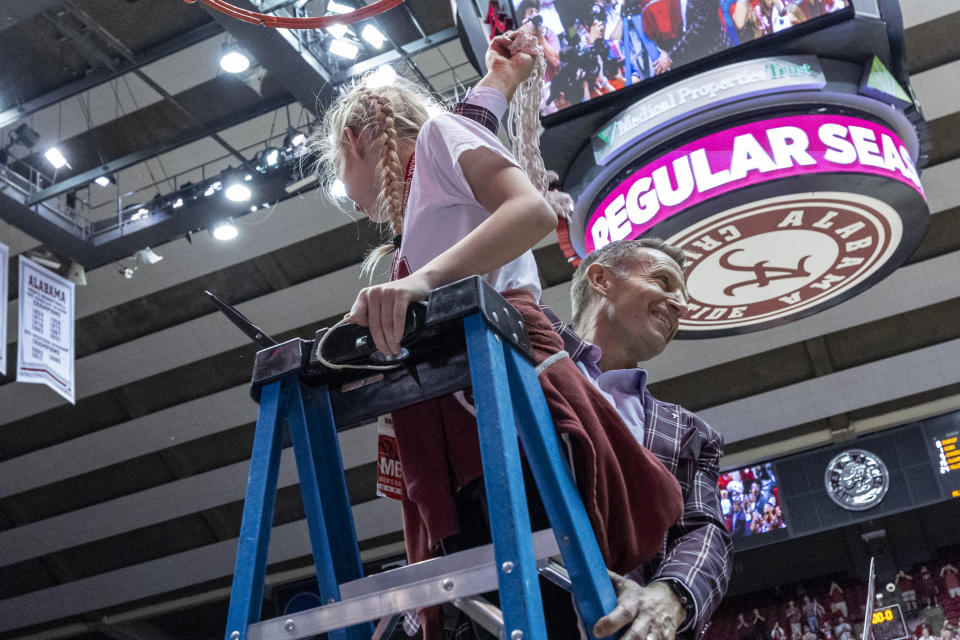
(4, 276)
(45, 352)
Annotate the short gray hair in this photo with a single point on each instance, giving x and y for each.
(618, 257)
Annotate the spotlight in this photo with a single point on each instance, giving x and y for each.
(105, 181)
(213, 188)
(267, 158)
(77, 274)
(344, 49)
(338, 30)
(382, 77)
(238, 192)
(147, 256)
(336, 7)
(128, 272)
(177, 203)
(140, 213)
(55, 158)
(294, 139)
(337, 190)
(233, 60)
(25, 136)
(225, 230)
(372, 35)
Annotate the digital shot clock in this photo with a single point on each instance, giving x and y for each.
(888, 624)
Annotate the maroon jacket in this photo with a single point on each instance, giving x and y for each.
(440, 453)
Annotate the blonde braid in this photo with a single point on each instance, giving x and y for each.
(389, 174)
(524, 129)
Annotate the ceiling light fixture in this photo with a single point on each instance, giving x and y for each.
(225, 230)
(213, 188)
(338, 30)
(237, 192)
(104, 181)
(77, 274)
(373, 35)
(268, 158)
(297, 139)
(147, 256)
(336, 7)
(233, 60)
(55, 158)
(344, 49)
(383, 76)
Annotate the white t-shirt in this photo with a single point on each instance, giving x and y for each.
(442, 210)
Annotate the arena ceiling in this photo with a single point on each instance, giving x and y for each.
(119, 516)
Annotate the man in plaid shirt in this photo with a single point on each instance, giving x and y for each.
(628, 298)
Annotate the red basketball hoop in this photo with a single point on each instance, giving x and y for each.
(321, 22)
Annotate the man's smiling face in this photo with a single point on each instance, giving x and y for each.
(646, 305)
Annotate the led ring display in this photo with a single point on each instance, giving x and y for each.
(778, 219)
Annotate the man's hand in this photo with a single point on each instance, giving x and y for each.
(646, 613)
(506, 69)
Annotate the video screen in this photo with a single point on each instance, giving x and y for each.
(750, 501)
(595, 48)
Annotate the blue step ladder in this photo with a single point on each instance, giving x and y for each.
(466, 334)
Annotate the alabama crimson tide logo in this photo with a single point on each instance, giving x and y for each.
(771, 261)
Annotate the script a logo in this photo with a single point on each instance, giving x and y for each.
(763, 274)
(782, 258)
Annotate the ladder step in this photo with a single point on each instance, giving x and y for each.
(422, 584)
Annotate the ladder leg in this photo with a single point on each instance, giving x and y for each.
(246, 594)
(503, 478)
(326, 502)
(591, 585)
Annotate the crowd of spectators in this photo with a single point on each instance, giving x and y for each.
(929, 596)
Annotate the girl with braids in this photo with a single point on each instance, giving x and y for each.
(458, 204)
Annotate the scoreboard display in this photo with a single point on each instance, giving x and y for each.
(948, 454)
(943, 438)
(887, 624)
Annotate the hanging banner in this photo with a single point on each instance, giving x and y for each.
(45, 352)
(4, 278)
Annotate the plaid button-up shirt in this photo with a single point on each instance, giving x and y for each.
(696, 550)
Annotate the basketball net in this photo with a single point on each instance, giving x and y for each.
(282, 22)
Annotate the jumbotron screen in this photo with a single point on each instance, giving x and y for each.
(595, 48)
(750, 501)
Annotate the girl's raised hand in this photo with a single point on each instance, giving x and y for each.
(507, 64)
(383, 308)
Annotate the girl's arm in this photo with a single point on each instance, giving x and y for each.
(520, 218)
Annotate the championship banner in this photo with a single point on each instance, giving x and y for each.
(45, 352)
(4, 277)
